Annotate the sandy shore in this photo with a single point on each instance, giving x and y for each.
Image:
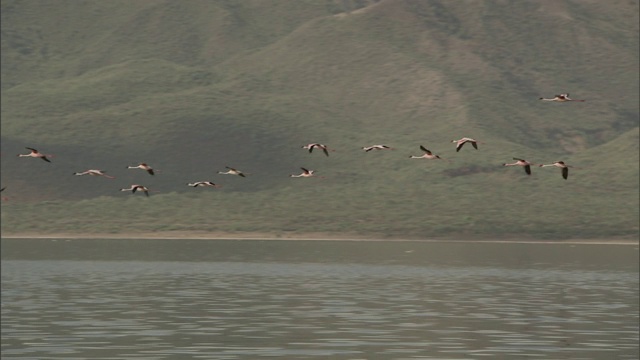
(307, 236)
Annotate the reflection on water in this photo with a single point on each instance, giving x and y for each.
(196, 299)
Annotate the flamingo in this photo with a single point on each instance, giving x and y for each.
(135, 188)
(305, 173)
(143, 166)
(427, 155)
(36, 154)
(521, 162)
(377, 147)
(94, 173)
(561, 165)
(203, 183)
(560, 98)
(232, 171)
(464, 140)
(312, 146)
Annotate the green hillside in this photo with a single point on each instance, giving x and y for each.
(190, 87)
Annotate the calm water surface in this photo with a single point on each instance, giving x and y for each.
(201, 299)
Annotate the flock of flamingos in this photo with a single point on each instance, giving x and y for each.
(427, 154)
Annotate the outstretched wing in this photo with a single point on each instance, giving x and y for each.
(425, 150)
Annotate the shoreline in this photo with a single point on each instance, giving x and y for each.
(305, 237)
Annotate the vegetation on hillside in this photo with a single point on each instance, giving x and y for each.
(191, 87)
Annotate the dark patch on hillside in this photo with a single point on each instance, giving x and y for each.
(472, 169)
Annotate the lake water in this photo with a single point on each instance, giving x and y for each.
(219, 299)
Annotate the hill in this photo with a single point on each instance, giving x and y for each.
(192, 87)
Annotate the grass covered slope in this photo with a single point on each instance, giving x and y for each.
(191, 87)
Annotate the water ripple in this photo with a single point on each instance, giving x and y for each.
(70, 309)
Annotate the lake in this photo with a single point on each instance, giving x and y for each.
(295, 299)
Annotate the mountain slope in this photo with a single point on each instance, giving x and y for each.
(196, 86)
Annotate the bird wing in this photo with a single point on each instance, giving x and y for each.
(474, 144)
(565, 172)
(425, 150)
(527, 169)
(32, 149)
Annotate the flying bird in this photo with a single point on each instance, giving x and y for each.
(312, 146)
(204, 183)
(460, 143)
(135, 188)
(143, 166)
(94, 173)
(305, 173)
(523, 163)
(232, 171)
(376, 147)
(35, 154)
(564, 167)
(427, 154)
(560, 98)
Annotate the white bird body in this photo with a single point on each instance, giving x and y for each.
(427, 155)
(464, 140)
(523, 163)
(560, 164)
(35, 154)
(94, 173)
(143, 166)
(312, 146)
(136, 187)
(305, 173)
(204, 184)
(232, 171)
(560, 98)
(376, 147)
